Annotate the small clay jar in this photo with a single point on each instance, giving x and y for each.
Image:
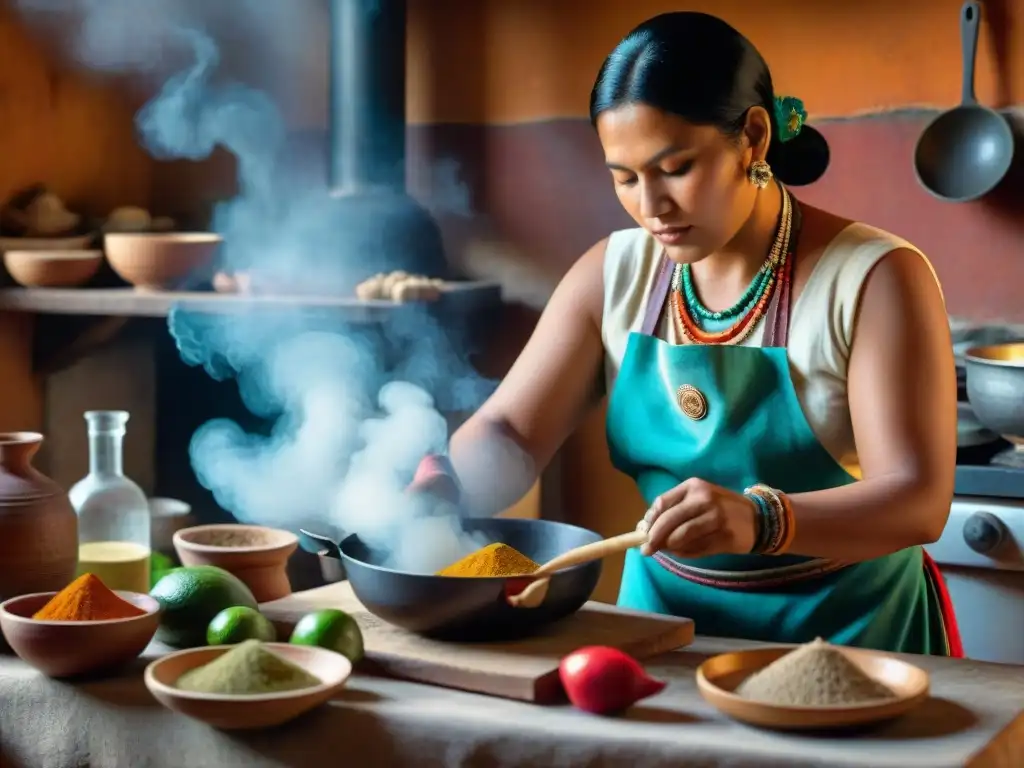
(38, 526)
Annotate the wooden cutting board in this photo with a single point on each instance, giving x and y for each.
(525, 669)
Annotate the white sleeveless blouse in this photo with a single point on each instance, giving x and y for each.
(821, 323)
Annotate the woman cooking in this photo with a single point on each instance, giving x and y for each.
(781, 380)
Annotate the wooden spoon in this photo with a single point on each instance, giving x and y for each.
(536, 591)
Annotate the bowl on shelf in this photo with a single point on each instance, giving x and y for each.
(52, 269)
(159, 261)
(470, 608)
(70, 648)
(66, 243)
(241, 712)
(254, 553)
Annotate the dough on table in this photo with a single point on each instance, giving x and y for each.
(399, 286)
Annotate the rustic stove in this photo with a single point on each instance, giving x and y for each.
(374, 226)
(383, 228)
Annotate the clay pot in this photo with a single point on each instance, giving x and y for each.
(38, 526)
(254, 553)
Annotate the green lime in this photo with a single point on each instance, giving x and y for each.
(233, 625)
(331, 629)
(191, 597)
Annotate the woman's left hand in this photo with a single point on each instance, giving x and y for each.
(698, 519)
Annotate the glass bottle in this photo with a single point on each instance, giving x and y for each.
(113, 512)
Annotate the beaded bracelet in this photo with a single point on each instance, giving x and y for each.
(771, 519)
(780, 532)
(765, 522)
(787, 540)
(777, 526)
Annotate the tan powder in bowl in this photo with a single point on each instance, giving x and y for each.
(814, 675)
(227, 538)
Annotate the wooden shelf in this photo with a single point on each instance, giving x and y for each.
(129, 302)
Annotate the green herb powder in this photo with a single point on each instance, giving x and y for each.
(248, 668)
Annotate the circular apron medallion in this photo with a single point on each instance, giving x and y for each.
(692, 402)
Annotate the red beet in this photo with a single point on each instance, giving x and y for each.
(603, 680)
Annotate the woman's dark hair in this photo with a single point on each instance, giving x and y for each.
(699, 68)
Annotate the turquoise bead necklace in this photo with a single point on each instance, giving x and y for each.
(750, 296)
(762, 282)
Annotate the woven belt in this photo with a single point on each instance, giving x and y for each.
(765, 578)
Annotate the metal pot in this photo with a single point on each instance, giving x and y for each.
(995, 389)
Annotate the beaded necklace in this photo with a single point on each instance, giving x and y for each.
(774, 273)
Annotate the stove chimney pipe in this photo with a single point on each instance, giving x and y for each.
(367, 95)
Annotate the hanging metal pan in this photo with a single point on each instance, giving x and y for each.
(966, 151)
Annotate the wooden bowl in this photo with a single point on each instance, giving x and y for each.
(159, 261)
(254, 553)
(719, 676)
(52, 269)
(68, 243)
(69, 648)
(234, 712)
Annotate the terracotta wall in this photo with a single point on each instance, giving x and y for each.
(495, 61)
(75, 134)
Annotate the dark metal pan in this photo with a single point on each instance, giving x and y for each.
(966, 151)
(474, 609)
(329, 556)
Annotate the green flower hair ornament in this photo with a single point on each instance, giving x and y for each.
(790, 116)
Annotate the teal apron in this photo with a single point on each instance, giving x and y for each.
(754, 431)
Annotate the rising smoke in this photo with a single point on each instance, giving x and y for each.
(348, 432)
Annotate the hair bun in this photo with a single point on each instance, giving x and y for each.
(801, 160)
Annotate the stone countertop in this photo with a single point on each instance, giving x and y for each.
(974, 718)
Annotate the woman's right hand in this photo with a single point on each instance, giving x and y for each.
(435, 477)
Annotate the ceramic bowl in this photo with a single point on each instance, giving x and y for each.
(69, 648)
(52, 269)
(72, 243)
(234, 712)
(720, 676)
(159, 261)
(255, 554)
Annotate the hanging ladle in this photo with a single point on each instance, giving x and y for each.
(966, 151)
(535, 592)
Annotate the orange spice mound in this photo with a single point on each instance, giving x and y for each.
(87, 599)
(493, 560)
